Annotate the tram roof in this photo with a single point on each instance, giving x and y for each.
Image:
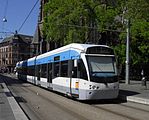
(73, 46)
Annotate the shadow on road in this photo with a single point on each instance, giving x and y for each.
(128, 92)
(10, 79)
(109, 101)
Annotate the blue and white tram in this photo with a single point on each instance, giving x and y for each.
(83, 71)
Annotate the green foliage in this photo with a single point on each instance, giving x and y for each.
(120, 52)
(61, 20)
(137, 12)
(64, 17)
(68, 21)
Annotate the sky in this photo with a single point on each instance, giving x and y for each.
(16, 12)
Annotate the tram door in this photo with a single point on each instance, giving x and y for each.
(70, 64)
(72, 72)
(49, 71)
(37, 74)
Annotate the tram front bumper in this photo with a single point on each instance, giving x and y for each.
(98, 94)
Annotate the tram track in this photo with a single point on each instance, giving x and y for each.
(116, 113)
(35, 108)
(62, 107)
(71, 112)
(140, 109)
(122, 103)
(124, 116)
(125, 110)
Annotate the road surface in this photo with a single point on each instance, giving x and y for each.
(42, 104)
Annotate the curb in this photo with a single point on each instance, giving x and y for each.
(134, 99)
(17, 111)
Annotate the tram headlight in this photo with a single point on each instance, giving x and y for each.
(93, 87)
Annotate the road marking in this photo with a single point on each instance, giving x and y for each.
(17, 111)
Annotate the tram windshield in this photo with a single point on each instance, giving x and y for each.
(101, 67)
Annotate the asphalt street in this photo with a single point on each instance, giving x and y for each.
(41, 104)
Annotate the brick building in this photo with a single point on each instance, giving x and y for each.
(13, 49)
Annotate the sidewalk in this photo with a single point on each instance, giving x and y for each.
(9, 108)
(134, 92)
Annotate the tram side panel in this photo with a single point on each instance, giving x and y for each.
(66, 82)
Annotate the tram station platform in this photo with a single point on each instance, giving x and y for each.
(134, 92)
(9, 108)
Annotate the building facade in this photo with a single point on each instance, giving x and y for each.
(41, 45)
(13, 49)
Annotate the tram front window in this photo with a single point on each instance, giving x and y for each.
(102, 67)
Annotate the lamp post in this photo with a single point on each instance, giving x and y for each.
(127, 52)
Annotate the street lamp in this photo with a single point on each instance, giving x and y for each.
(127, 23)
(4, 19)
(127, 52)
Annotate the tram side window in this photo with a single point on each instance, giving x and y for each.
(64, 69)
(49, 71)
(31, 70)
(28, 70)
(24, 70)
(56, 69)
(44, 70)
(20, 70)
(82, 70)
(74, 72)
(37, 70)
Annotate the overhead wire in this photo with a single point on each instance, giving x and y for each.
(27, 16)
(5, 10)
(4, 20)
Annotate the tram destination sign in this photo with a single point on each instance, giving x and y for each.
(100, 50)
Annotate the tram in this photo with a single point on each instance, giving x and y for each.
(82, 71)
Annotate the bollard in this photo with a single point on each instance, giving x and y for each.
(144, 82)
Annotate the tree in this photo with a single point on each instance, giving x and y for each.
(62, 20)
(136, 11)
(77, 20)
(68, 21)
